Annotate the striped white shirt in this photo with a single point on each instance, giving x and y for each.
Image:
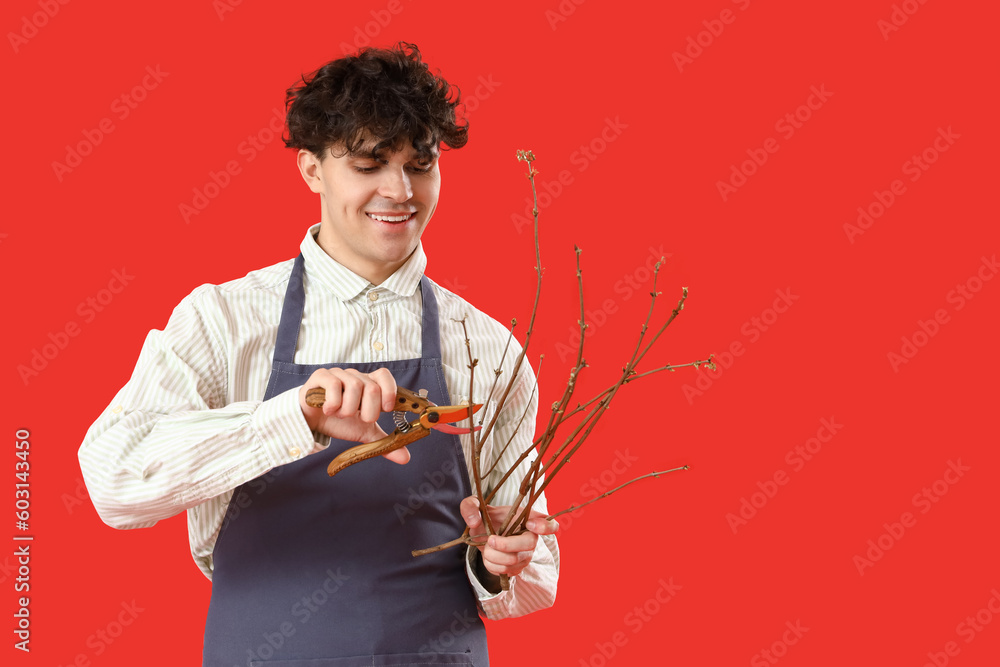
(190, 426)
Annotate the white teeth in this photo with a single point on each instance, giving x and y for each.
(390, 218)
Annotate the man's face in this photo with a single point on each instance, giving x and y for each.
(373, 210)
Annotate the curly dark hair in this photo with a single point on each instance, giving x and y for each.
(386, 94)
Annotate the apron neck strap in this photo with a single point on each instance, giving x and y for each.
(295, 301)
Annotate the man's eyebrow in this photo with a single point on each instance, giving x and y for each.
(363, 154)
(426, 155)
(420, 156)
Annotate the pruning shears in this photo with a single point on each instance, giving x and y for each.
(429, 416)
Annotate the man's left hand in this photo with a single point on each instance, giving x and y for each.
(505, 555)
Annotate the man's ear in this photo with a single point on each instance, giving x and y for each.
(311, 170)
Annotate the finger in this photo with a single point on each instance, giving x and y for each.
(351, 395)
(383, 378)
(512, 543)
(500, 562)
(311, 383)
(332, 387)
(496, 553)
(371, 401)
(332, 391)
(400, 456)
(506, 561)
(469, 509)
(542, 526)
(355, 387)
(498, 513)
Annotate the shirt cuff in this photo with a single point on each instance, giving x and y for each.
(495, 606)
(281, 429)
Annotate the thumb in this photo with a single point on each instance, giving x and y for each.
(400, 456)
(469, 508)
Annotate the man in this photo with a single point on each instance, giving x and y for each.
(214, 419)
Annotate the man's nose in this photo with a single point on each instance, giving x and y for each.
(396, 185)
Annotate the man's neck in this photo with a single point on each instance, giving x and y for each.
(374, 273)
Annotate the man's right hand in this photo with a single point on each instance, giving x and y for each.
(354, 401)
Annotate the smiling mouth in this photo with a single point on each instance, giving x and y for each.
(392, 218)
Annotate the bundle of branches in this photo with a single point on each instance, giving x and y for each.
(553, 452)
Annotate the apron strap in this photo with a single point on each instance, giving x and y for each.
(295, 301)
(430, 339)
(291, 315)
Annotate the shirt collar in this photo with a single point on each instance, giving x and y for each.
(346, 284)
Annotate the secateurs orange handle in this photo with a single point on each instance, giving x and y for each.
(430, 417)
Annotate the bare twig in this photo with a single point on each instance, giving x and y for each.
(529, 157)
(548, 464)
(464, 539)
(608, 493)
(498, 371)
(477, 444)
(556, 416)
(503, 450)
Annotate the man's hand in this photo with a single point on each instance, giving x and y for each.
(353, 403)
(504, 555)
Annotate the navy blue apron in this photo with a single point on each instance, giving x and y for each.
(316, 571)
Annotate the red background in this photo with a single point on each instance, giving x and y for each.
(554, 85)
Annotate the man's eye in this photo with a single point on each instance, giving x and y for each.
(421, 168)
(366, 170)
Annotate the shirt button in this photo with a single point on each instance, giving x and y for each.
(116, 409)
(294, 451)
(373, 296)
(378, 346)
